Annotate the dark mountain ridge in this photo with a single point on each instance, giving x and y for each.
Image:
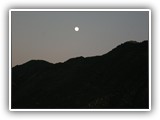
(118, 79)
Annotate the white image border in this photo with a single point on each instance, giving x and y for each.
(79, 10)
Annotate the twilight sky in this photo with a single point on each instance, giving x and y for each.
(51, 36)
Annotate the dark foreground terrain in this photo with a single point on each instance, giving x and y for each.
(118, 79)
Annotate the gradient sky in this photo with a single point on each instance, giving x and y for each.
(51, 36)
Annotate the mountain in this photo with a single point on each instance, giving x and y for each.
(116, 80)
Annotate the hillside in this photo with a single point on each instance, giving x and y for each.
(117, 79)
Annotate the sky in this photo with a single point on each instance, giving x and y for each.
(51, 35)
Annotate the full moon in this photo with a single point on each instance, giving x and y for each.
(76, 28)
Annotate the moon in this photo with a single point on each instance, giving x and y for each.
(76, 28)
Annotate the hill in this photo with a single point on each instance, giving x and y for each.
(117, 79)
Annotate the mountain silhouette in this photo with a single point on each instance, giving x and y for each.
(116, 80)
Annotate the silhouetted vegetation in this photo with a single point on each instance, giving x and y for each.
(118, 79)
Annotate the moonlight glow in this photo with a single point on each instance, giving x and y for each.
(76, 28)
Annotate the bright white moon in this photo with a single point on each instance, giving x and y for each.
(76, 28)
